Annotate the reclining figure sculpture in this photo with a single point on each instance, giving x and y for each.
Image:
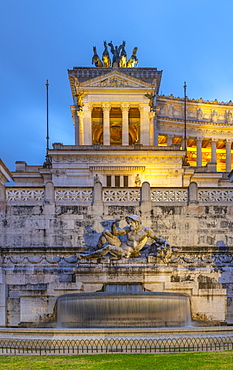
(126, 242)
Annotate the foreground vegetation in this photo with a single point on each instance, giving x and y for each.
(181, 361)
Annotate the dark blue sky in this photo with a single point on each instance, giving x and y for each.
(188, 40)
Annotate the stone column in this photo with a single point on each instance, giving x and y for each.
(152, 128)
(106, 123)
(228, 155)
(213, 150)
(169, 140)
(125, 123)
(79, 131)
(87, 126)
(144, 125)
(199, 151)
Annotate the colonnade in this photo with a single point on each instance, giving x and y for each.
(83, 124)
(213, 150)
(214, 141)
(148, 130)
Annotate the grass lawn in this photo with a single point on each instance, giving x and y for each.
(181, 361)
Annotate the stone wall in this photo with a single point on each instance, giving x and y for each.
(40, 242)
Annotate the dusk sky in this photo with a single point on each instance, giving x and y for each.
(189, 40)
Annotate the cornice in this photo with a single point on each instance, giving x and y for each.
(199, 101)
(147, 77)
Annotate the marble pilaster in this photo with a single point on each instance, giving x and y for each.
(213, 150)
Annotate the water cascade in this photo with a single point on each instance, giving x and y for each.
(123, 306)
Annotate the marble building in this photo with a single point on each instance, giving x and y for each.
(129, 157)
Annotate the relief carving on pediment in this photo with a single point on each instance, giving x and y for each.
(114, 82)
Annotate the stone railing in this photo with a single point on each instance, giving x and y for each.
(121, 195)
(215, 195)
(169, 195)
(100, 195)
(24, 194)
(73, 195)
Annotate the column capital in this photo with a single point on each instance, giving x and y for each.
(142, 106)
(199, 138)
(125, 106)
(214, 140)
(228, 141)
(106, 106)
(87, 106)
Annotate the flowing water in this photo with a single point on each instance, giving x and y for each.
(123, 306)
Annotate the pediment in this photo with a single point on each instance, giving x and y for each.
(115, 79)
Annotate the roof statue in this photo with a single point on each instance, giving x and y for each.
(133, 59)
(105, 56)
(80, 96)
(151, 98)
(123, 56)
(119, 56)
(95, 59)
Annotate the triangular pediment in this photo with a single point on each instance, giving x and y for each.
(115, 79)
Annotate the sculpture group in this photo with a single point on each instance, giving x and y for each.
(128, 242)
(119, 56)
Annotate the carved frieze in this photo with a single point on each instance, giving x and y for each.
(113, 159)
(113, 82)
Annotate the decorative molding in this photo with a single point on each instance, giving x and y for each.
(216, 259)
(113, 159)
(58, 172)
(117, 168)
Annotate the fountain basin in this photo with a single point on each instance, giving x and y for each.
(114, 310)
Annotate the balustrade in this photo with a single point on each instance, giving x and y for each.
(121, 195)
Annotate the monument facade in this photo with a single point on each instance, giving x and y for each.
(132, 201)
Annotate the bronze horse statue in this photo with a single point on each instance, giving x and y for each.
(133, 60)
(95, 59)
(123, 56)
(105, 56)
